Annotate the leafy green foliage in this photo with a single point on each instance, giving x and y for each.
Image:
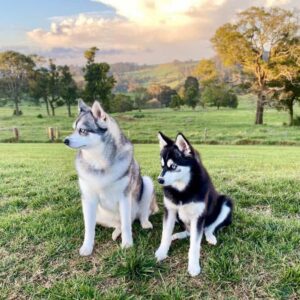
(191, 91)
(121, 103)
(176, 102)
(15, 71)
(99, 83)
(224, 126)
(54, 87)
(141, 96)
(68, 91)
(165, 95)
(258, 41)
(219, 95)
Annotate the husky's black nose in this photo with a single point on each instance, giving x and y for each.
(67, 142)
(160, 180)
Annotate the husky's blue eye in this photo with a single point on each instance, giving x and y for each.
(173, 166)
(83, 131)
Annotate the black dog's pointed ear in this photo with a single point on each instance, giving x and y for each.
(82, 107)
(164, 140)
(183, 145)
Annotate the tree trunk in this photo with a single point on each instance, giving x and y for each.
(259, 120)
(47, 106)
(69, 110)
(291, 115)
(52, 109)
(17, 106)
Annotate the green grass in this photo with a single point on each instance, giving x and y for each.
(226, 126)
(41, 230)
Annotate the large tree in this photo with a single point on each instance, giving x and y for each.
(220, 96)
(54, 87)
(286, 94)
(165, 95)
(191, 91)
(141, 97)
(15, 71)
(68, 88)
(99, 83)
(207, 72)
(39, 86)
(254, 42)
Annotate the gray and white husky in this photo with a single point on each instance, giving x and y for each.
(114, 193)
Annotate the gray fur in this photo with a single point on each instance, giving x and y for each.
(109, 177)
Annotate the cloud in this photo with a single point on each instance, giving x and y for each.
(145, 27)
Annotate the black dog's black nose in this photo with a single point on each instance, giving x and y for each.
(160, 180)
(67, 141)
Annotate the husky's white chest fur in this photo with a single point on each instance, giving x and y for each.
(186, 212)
(106, 186)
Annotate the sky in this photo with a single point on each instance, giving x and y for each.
(140, 31)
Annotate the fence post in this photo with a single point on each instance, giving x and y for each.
(57, 133)
(205, 135)
(51, 134)
(16, 133)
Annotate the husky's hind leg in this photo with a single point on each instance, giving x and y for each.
(116, 233)
(146, 205)
(223, 219)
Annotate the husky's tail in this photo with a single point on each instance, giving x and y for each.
(149, 194)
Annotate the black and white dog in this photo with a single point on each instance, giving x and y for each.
(190, 198)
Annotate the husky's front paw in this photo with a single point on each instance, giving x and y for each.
(147, 225)
(86, 250)
(194, 270)
(127, 244)
(211, 239)
(161, 254)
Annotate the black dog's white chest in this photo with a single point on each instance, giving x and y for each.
(186, 212)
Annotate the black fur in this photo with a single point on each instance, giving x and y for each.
(200, 187)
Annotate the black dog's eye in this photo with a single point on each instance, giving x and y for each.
(82, 131)
(173, 167)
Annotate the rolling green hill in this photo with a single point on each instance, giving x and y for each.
(130, 75)
(171, 74)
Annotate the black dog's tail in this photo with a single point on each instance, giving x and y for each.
(225, 200)
(223, 204)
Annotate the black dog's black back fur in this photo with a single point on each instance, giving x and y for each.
(200, 187)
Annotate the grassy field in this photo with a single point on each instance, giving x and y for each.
(41, 229)
(226, 126)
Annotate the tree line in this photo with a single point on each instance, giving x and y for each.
(258, 53)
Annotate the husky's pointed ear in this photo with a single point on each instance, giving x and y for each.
(98, 112)
(183, 145)
(82, 107)
(163, 140)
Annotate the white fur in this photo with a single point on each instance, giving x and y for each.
(103, 198)
(183, 145)
(178, 178)
(189, 214)
(106, 204)
(209, 230)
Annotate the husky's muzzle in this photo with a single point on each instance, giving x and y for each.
(160, 178)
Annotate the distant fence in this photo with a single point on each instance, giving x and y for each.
(52, 133)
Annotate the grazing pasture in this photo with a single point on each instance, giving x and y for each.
(41, 227)
(211, 126)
